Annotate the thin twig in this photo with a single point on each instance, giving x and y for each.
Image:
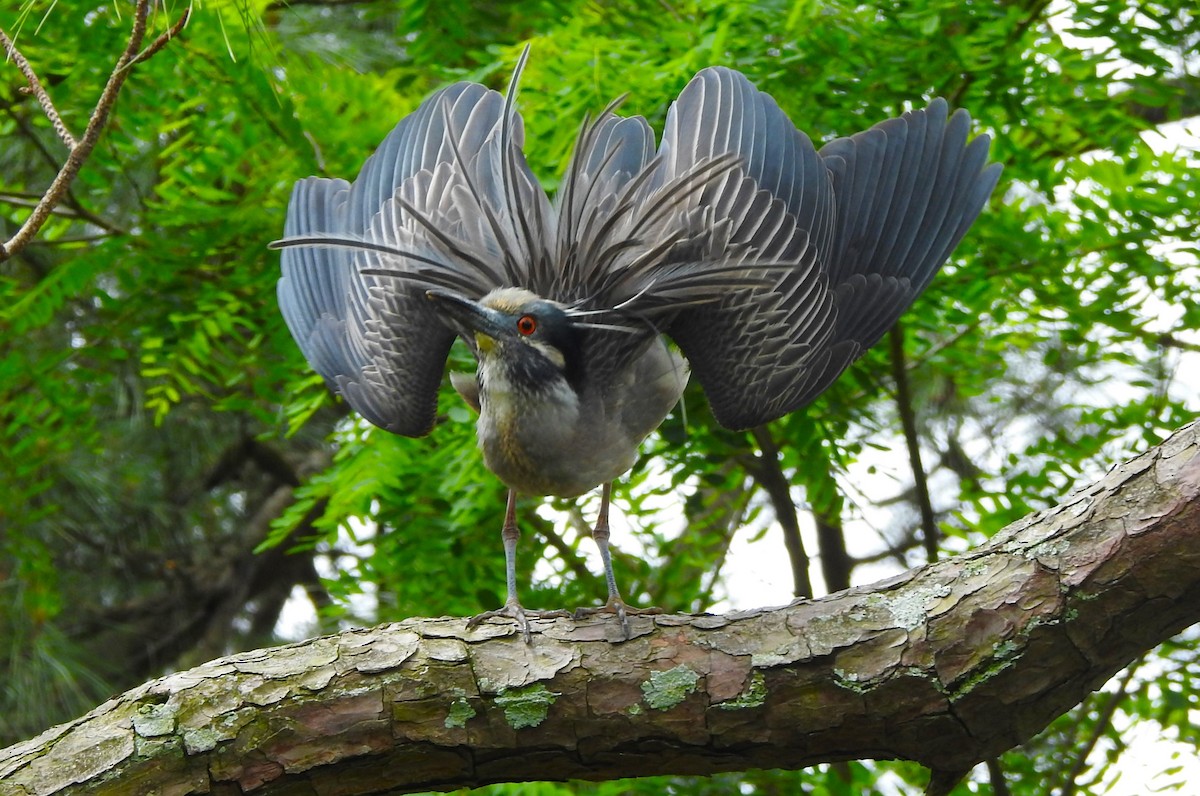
(1070, 785)
(996, 777)
(909, 422)
(766, 470)
(570, 557)
(77, 208)
(163, 39)
(1035, 9)
(35, 86)
(83, 148)
(318, 155)
(72, 209)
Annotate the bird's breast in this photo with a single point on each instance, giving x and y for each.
(546, 443)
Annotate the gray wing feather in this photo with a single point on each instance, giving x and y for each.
(312, 295)
(907, 191)
(622, 146)
(609, 152)
(374, 338)
(772, 265)
(754, 350)
(879, 213)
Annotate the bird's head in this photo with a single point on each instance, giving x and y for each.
(530, 341)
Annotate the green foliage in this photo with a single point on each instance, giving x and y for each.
(158, 425)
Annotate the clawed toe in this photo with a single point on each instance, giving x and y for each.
(623, 611)
(520, 615)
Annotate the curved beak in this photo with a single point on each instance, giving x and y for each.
(470, 319)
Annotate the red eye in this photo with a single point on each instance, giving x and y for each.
(527, 325)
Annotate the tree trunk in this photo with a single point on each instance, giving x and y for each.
(948, 665)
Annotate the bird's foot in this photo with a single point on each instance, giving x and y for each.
(521, 615)
(623, 611)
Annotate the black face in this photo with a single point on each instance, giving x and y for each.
(546, 323)
(521, 324)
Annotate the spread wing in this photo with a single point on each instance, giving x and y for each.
(430, 208)
(907, 191)
(758, 350)
(842, 240)
(693, 239)
(772, 265)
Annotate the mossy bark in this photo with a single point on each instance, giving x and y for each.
(948, 665)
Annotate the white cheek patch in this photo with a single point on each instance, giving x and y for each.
(551, 353)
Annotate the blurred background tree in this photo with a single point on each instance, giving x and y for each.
(176, 484)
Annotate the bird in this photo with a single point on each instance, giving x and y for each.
(769, 263)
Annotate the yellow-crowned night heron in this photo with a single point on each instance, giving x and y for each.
(772, 266)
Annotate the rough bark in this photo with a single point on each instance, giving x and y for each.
(949, 664)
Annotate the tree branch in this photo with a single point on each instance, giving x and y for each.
(996, 778)
(949, 665)
(1070, 782)
(908, 421)
(35, 88)
(828, 506)
(766, 470)
(80, 150)
(77, 208)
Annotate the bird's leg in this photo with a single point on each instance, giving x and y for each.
(614, 605)
(510, 534)
(512, 608)
(601, 533)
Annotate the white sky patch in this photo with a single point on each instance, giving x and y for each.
(298, 618)
(757, 571)
(1152, 762)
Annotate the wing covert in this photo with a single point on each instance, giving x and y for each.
(878, 214)
(755, 348)
(359, 314)
(907, 191)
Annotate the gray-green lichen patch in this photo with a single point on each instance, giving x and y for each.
(975, 567)
(849, 681)
(665, 690)
(153, 720)
(460, 713)
(790, 651)
(1003, 657)
(526, 707)
(753, 696)
(1049, 549)
(821, 636)
(203, 730)
(201, 739)
(159, 747)
(910, 606)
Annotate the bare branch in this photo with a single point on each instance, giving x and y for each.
(766, 470)
(1070, 784)
(163, 39)
(35, 86)
(996, 778)
(909, 422)
(83, 148)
